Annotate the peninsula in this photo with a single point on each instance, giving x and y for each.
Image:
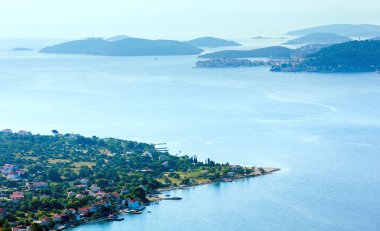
(63, 180)
(349, 57)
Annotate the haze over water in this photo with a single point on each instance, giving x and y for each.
(321, 129)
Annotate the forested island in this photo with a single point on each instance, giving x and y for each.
(349, 57)
(123, 46)
(63, 180)
(212, 42)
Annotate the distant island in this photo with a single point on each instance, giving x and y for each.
(263, 37)
(212, 42)
(63, 180)
(319, 38)
(21, 49)
(349, 57)
(278, 52)
(123, 47)
(351, 30)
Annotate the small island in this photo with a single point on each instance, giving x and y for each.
(211, 42)
(63, 180)
(21, 49)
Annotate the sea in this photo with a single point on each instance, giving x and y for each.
(322, 130)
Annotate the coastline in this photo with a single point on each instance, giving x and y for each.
(267, 171)
(155, 197)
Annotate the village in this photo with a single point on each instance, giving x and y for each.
(105, 206)
(61, 181)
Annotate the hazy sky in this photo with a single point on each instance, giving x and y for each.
(176, 18)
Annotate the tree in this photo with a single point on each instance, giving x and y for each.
(55, 132)
(53, 175)
(36, 227)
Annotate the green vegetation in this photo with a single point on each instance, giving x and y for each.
(123, 47)
(355, 56)
(80, 172)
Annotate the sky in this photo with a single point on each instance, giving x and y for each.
(176, 19)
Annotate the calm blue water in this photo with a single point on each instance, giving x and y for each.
(323, 130)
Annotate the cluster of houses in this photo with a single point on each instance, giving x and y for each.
(228, 63)
(17, 195)
(21, 132)
(103, 201)
(12, 172)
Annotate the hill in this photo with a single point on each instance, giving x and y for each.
(364, 30)
(212, 42)
(319, 38)
(268, 52)
(76, 47)
(355, 56)
(124, 47)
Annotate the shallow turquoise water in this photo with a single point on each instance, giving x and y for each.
(323, 130)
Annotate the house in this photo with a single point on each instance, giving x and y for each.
(94, 188)
(38, 185)
(8, 168)
(104, 203)
(231, 173)
(3, 213)
(204, 171)
(20, 228)
(84, 181)
(70, 211)
(135, 204)
(93, 209)
(124, 191)
(7, 131)
(114, 196)
(57, 218)
(17, 196)
(83, 211)
(81, 186)
(14, 175)
(23, 132)
(45, 221)
(149, 154)
(79, 196)
(100, 195)
(236, 167)
(70, 194)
